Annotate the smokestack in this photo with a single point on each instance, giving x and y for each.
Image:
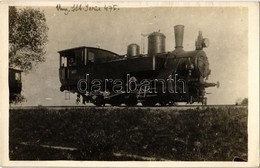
(178, 31)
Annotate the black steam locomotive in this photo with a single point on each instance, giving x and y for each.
(103, 77)
(15, 83)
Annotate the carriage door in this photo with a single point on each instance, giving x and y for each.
(63, 67)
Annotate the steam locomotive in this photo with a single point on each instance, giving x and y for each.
(103, 77)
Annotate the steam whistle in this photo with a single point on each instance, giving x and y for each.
(201, 42)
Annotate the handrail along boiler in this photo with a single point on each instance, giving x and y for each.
(185, 71)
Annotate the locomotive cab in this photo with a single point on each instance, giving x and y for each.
(70, 61)
(75, 63)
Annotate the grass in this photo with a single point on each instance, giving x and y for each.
(212, 134)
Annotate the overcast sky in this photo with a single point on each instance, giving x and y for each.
(226, 29)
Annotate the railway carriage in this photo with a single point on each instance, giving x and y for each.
(15, 83)
(165, 77)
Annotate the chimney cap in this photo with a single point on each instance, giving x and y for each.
(179, 26)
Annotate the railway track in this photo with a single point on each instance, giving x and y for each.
(180, 107)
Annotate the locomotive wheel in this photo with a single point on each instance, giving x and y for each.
(115, 104)
(163, 103)
(171, 103)
(149, 103)
(131, 100)
(98, 101)
(131, 103)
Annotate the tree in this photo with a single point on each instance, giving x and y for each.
(27, 37)
(244, 102)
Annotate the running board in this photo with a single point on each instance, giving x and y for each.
(114, 95)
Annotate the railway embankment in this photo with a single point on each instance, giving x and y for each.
(192, 134)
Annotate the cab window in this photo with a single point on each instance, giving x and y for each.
(63, 61)
(79, 57)
(73, 58)
(91, 57)
(72, 61)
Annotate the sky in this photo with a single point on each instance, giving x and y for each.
(225, 27)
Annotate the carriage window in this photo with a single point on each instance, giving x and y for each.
(17, 76)
(91, 57)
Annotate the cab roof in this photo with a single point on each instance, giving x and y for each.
(15, 69)
(83, 47)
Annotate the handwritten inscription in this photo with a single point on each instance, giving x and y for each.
(86, 8)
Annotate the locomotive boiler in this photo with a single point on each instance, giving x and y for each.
(103, 77)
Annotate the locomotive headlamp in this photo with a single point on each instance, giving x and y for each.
(205, 43)
(203, 65)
